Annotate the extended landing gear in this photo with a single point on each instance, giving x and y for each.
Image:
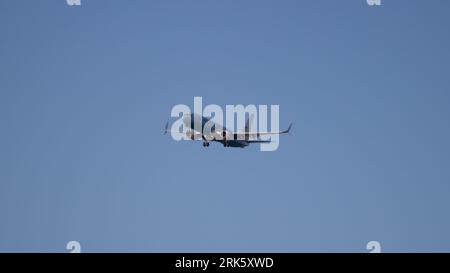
(205, 144)
(224, 136)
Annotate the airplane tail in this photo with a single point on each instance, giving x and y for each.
(248, 123)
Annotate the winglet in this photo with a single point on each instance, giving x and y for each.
(166, 128)
(288, 129)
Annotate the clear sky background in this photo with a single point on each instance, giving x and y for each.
(85, 93)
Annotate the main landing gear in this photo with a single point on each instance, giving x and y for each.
(224, 136)
(205, 144)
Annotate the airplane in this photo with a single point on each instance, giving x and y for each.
(224, 136)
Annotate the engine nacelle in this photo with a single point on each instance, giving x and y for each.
(190, 134)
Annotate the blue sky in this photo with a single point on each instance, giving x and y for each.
(85, 93)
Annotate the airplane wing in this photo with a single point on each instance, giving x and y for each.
(166, 129)
(250, 135)
(258, 141)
